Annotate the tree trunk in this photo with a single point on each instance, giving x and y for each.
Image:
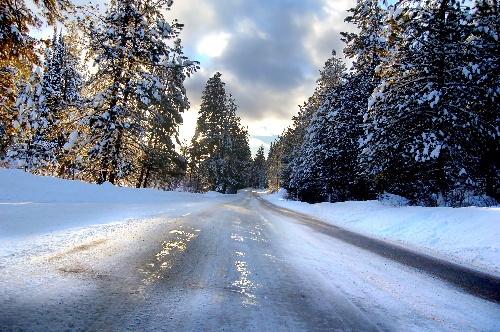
(116, 153)
(146, 177)
(141, 176)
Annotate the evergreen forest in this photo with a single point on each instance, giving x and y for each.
(415, 113)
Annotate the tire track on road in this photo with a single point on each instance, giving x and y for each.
(477, 283)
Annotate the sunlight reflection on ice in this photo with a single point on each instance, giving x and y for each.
(237, 237)
(243, 284)
(163, 259)
(18, 203)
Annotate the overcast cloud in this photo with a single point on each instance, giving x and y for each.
(269, 53)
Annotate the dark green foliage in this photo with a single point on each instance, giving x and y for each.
(425, 95)
(417, 115)
(312, 163)
(137, 94)
(258, 177)
(220, 154)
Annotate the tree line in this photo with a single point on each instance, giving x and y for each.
(104, 102)
(416, 115)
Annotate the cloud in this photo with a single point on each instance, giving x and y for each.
(256, 143)
(213, 45)
(324, 30)
(268, 51)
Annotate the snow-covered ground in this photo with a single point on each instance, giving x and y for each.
(43, 214)
(468, 236)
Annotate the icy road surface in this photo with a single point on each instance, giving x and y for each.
(228, 265)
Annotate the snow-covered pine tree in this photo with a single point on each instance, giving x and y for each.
(160, 164)
(72, 79)
(207, 142)
(366, 48)
(219, 149)
(48, 119)
(239, 156)
(482, 67)
(48, 136)
(19, 52)
(258, 177)
(128, 45)
(294, 137)
(26, 123)
(420, 134)
(312, 166)
(273, 173)
(346, 107)
(288, 147)
(273, 163)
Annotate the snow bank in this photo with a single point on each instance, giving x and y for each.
(38, 213)
(467, 236)
(17, 186)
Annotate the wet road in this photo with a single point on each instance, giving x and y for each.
(237, 266)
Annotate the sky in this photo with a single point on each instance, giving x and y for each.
(269, 53)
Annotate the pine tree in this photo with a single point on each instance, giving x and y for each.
(128, 45)
(258, 178)
(161, 164)
(367, 48)
(73, 102)
(19, 52)
(368, 45)
(65, 106)
(307, 184)
(312, 165)
(419, 132)
(44, 133)
(207, 142)
(292, 139)
(48, 138)
(273, 172)
(220, 152)
(22, 152)
(297, 132)
(278, 160)
(347, 105)
(483, 69)
(239, 158)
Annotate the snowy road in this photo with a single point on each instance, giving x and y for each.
(474, 282)
(232, 265)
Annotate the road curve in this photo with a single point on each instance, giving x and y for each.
(474, 282)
